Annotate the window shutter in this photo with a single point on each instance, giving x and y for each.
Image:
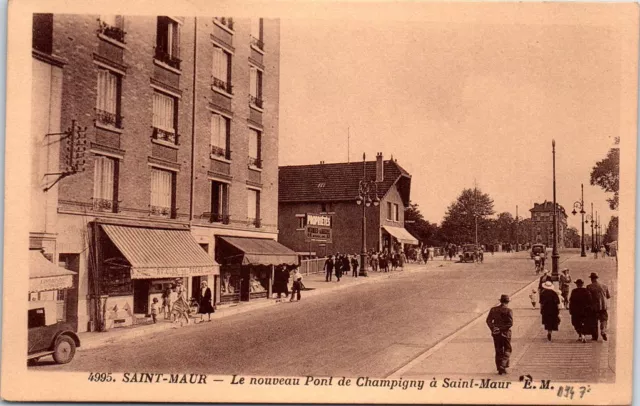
(97, 177)
(216, 130)
(253, 81)
(175, 51)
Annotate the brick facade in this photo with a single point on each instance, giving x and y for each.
(542, 229)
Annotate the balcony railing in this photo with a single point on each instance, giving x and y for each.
(257, 162)
(164, 135)
(166, 58)
(221, 152)
(161, 211)
(253, 222)
(106, 205)
(108, 118)
(257, 43)
(221, 84)
(112, 32)
(220, 218)
(256, 101)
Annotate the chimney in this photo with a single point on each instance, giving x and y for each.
(379, 167)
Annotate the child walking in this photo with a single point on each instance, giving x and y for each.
(532, 296)
(154, 309)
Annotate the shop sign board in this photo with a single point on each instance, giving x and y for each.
(318, 228)
(50, 283)
(154, 273)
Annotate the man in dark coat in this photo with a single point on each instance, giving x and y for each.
(599, 295)
(579, 308)
(339, 267)
(500, 321)
(328, 267)
(354, 265)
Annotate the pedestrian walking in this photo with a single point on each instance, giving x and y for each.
(549, 302)
(354, 265)
(297, 285)
(280, 282)
(599, 295)
(565, 285)
(205, 306)
(603, 251)
(595, 253)
(173, 296)
(180, 308)
(166, 303)
(338, 267)
(154, 310)
(328, 268)
(546, 276)
(532, 296)
(500, 321)
(346, 264)
(579, 308)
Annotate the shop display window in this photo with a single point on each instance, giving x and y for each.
(259, 282)
(116, 281)
(230, 286)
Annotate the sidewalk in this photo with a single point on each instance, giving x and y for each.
(470, 353)
(314, 283)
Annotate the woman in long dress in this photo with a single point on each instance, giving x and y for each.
(180, 307)
(205, 306)
(579, 307)
(549, 308)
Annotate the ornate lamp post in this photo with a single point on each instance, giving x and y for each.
(367, 195)
(517, 242)
(554, 254)
(589, 219)
(580, 205)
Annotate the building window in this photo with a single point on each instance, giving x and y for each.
(164, 118)
(105, 184)
(253, 207)
(396, 212)
(226, 21)
(301, 221)
(162, 193)
(168, 42)
(42, 29)
(389, 211)
(108, 101)
(112, 26)
(219, 202)
(256, 33)
(221, 70)
(255, 87)
(220, 136)
(255, 153)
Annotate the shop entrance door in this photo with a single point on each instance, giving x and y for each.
(244, 283)
(195, 287)
(140, 296)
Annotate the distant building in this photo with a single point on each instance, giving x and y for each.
(542, 218)
(331, 190)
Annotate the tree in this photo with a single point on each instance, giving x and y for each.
(505, 228)
(460, 220)
(572, 238)
(419, 227)
(612, 231)
(606, 174)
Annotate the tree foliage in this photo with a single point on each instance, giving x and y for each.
(420, 228)
(459, 222)
(606, 174)
(572, 238)
(612, 231)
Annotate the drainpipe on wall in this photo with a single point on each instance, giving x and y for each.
(193, 121)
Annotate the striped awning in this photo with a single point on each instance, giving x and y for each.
(260, 251)
(44, 275)
(401, 234)
(159, 253)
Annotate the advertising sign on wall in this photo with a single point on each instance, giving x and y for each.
(318, 228)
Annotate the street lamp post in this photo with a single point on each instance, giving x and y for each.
(517, 242)
(366, 189)
(580, 205)
(589, 219)
(554, 254)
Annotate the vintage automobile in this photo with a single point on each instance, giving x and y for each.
(469, 253)
(47, 336)
(539, 249)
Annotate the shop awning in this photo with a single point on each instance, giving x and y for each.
(261, 251)
(158, 253)
(43, 275)
(401, 234)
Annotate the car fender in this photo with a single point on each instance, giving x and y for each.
(68, 333)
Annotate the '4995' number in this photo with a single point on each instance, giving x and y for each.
(100, 377)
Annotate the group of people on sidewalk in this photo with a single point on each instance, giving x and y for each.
(281, 283)
(587, 306)
(175, 306)
(341, 264)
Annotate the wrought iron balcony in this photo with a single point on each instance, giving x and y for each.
(164, 135)
(257, 43)
(112, 32)
(257, 162)
(106, 205)
(164, 57)
(226, 21)
(219, 151)
(160, 211)
(256, 101)
(254, 222)
(108, 118)
(221, 84)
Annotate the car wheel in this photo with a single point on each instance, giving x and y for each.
(64, 350)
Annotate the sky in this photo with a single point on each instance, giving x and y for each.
(457, 100)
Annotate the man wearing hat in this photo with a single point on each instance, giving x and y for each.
(565, 284)
(599, 295)
(500, 320)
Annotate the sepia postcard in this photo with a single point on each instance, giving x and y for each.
(336, 202)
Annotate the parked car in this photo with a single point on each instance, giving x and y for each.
(48, 336)
(539, 249)
(469, 253)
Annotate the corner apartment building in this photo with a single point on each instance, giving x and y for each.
(542, 218)
(177, 119)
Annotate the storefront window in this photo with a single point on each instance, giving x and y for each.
(230, 285)
(258, 282)
(116, 281)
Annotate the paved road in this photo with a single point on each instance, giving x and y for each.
(371, 329)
